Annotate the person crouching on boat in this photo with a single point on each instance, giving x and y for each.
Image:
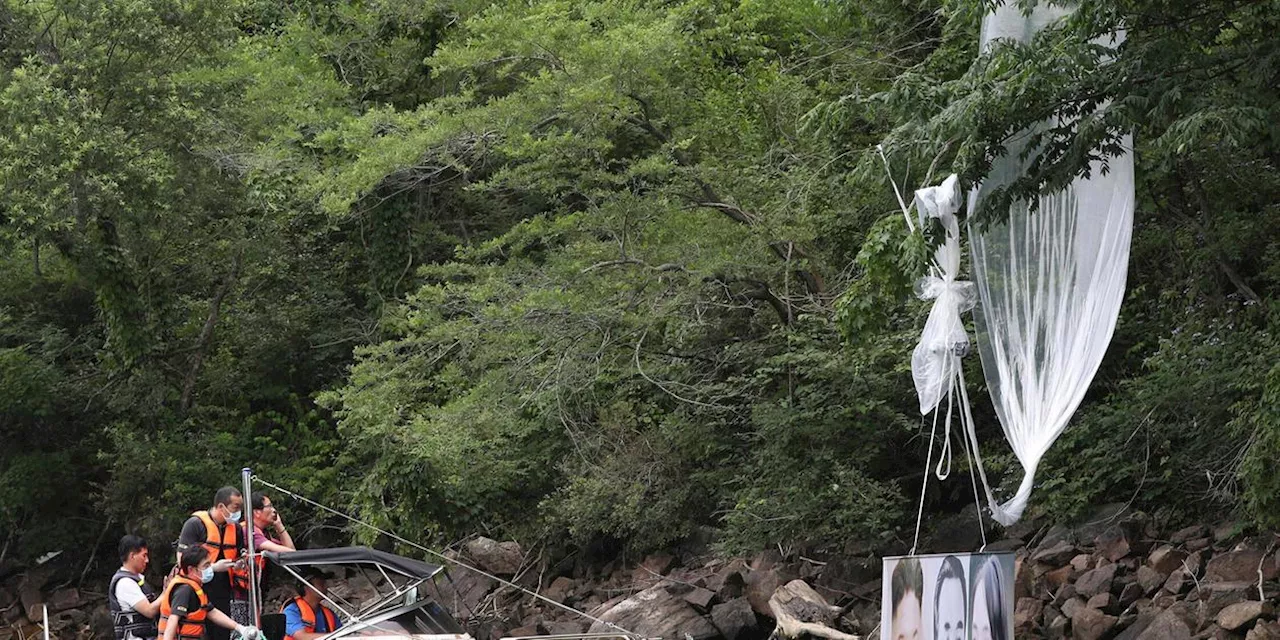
(185, 611)
(306, 617)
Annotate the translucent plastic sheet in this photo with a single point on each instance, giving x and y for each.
(1050, 284)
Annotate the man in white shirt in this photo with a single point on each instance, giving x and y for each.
(133, 604)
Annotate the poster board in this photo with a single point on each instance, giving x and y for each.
(955, 596)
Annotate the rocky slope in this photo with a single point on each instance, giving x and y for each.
(1119, 576)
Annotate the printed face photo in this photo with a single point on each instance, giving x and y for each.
(950, 610)
(991, 602)
(948, 597)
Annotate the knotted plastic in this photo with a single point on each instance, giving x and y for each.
(936, 358)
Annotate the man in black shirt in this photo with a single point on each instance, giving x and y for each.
(218, 533)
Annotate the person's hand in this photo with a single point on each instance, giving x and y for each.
(248, 632)
(223, 565)
(277, 523)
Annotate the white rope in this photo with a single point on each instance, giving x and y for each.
(444, 557)
(924, 484)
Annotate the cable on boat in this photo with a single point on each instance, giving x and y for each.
(443, 557)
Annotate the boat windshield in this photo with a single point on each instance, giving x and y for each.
(429, 619)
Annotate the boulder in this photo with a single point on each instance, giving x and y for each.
(656, 564)
(728, 582)
(1056, 579)
(1189, 533)
(1136, 627)
(1166, 558)
(1264, 631)
(655, 612)
(1072, 606)
(1240, 614)
(1082, 562)
(1216, 596)
(1101, 602)
(1131, 593)
(64, 599)
(1096, 581)
(1056, 554)
(759, 587)
(700, 598)
(1150, 579)
(735, 619)
(559, 589)
(32, 602)
(1240, 566)
(1026, 616)
(1058, 628)
(1171, 624)
(1179, 581)
(1112, 543)
(499, 558)
(1091, 624)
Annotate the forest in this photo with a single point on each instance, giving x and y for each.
(604, 273)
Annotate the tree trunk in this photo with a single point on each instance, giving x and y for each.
(206, 337)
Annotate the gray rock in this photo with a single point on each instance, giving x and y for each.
(1166, 558)
(1091, 624)
(735, 618)
(1026, 615)
(560, 589)
(655, 612)
(1112, 543)
(1055, 555)
(1170, 624)
(1264, 631)
(1240, 614)
(500, 558)
(1150, 579)
(1240, 566)
(1096, 581)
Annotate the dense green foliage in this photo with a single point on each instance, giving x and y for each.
(595, 271)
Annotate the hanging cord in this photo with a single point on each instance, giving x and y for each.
(924, 484)
(437, 554)
(970, 452)
(972, 434)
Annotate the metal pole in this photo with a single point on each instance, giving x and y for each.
(247, 475)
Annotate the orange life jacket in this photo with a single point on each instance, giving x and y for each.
(222, 544)
(309, 616)
(192, 627)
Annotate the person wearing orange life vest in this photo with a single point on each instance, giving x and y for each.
(306, 617)
(185, 610)
(216, 530)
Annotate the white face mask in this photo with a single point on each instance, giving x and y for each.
(206, 575)
(232, 516)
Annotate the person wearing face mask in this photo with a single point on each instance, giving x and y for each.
(217, 532)
(186, 612)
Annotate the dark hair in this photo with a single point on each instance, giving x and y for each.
(191, 556)
(951, 570)
(991, 584)
(225, 495)
(907, 578)
(259, 501)
(129, 545)
(310, 574)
